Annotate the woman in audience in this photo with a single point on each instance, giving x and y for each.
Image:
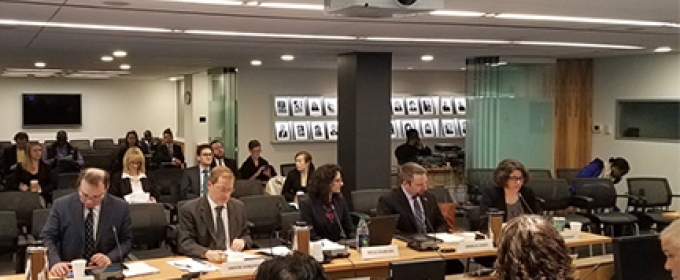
(509, 195)
(297, 179)
(133, 180)
(131, 140)
(255, 166)
(33, 174)
(531, 248)
(325, 209)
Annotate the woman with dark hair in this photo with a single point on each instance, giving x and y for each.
(297, 179)
(131, 140)
(325, 209)
(255, 166)
(531, 248)
(509, 195)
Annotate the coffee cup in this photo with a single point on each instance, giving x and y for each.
(78, 268)
(575, 226)
(559, 223)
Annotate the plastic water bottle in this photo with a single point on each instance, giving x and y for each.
(362, 233)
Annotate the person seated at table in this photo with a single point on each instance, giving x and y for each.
(133, 180)
(670, 243)
(297, 179)
(210, 224)
(195, 179)
(33, 174)
(62, 156)
(509, 194)
(325, 209)
(255, 166)
(530, 248)
(296, 266)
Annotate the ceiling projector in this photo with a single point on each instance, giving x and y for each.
(380, 8)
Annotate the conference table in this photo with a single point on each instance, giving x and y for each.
(354, 266)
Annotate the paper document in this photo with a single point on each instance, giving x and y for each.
(327, 245)
(275, 251)
(138, 197)
(446, 237)
(192, 265)
(139, 268)
(245, 256)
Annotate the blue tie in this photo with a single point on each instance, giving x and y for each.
(206, 176)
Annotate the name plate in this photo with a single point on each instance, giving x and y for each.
(570, 234)
(379, 252)
(248, 266)
(477, 245)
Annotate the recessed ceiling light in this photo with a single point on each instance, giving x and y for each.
(287, 57)
(463, 68)
(427, 57)
(409, 68)
(501, 63)
(172, 79)
(119, 53)
(256, 62)
(40, 64)
(125, 66)
(663, 49)
(107, 58)
(457, 13)
(252, 3)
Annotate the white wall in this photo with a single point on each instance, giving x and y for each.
(110, 107)
(257, 88)
(654, 76)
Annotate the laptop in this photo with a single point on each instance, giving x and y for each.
(381, 230)
(426, 269)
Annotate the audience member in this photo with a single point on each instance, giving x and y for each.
(255, 166)
(131, 140)
(296, 266)
(670, 243)
(220, 159)
(195, 179)
(150, 143)
(33, 174)
(62, 156)
(614, 168)
(531, 248)
(212, 223)
(168, 153)
(412, 149)
(83, 225)
(133, 179)
(325, 209)
(509, 195)
(297, 179)
(14, 155)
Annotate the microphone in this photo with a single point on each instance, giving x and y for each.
(525, 203)
(343, 235)
(595, 268)
(120, 252)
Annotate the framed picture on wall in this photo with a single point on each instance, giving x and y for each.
(281, 106)
(412, 106)
(318, 130)
(396, 129)
(426, 106)
(461, 107)
(332, 129)
(462, 126)
(315, 106)
(398, 106)
(449, 128)
(297, 105)
(282, 130)
(407, 125)
(331, 106)
(447, 105)
(300, 129)
(427, 128)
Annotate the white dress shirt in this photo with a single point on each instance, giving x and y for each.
(225, 219)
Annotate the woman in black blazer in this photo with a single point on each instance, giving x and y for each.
(325, 209)
(256, 167)
(133, 177)
(509, 195)
(297, 179)
(34, 169)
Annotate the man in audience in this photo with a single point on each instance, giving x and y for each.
(412, 149)
(670, 243)
(169, 154)
(195, 178)
(296, 266)
(14, 155)
(219, 158)
(149, 142)
(62, 157)
(86, 224)
(212, 223)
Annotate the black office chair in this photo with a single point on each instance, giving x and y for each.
(249, 187)
(654, 197)
(598, 198)
(540, 174)
(478, 179)
(149, 230)
(23, 204)
(568, 174)
(107, 143)
(67, 180)
(288, 220)
(441, 194)
(9, 238)
(285, 168)
(264, 214)
(32, 239)
(554, 197)
(83, 146)
(168, 180)
(98, 160)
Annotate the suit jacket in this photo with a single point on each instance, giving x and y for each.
(9, 158)
(494, 197)
(293, 183)
(197, 229)
(64, 231)
(121, 187)
(248, 169)
(191, 183)
(396, 202)
(165, 155)
(228, 163)
(313, 212)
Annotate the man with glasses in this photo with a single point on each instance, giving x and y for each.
(87, 225)
(210, 224)
(195, 178)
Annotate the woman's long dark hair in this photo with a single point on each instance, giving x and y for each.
(319, 185)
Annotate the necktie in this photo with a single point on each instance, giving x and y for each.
(420, 216)
(221, 240)
(221, 162)
(89, 235)
(204, 188)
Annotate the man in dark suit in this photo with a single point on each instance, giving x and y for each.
(15, 154)
(85, 225)
(195, 178)
(220, 159)
(168, 153)
(210, 224)
(418, 210)
(412, 149)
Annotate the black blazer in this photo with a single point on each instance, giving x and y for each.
(248, 169)
(9, 158)
(494, 197)
(397, 203)
(121, 187)
(44, 177)
(230, 163)
(165, 155)
(313, 212)
(293, 183)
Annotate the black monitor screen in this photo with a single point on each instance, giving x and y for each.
(52, 110)
(639, 257)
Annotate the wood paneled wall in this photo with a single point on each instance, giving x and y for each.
(573, 112)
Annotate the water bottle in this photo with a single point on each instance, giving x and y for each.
(362, 233)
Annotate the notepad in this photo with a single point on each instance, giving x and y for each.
(139, 268)
(192, 265)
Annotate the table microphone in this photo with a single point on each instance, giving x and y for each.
(120, 252)
(525, 203)
(343, 235)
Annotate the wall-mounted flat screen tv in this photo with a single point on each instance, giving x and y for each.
(40, 110)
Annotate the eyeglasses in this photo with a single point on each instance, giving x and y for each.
(91, 197)
(206, 154)
(516, 179)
